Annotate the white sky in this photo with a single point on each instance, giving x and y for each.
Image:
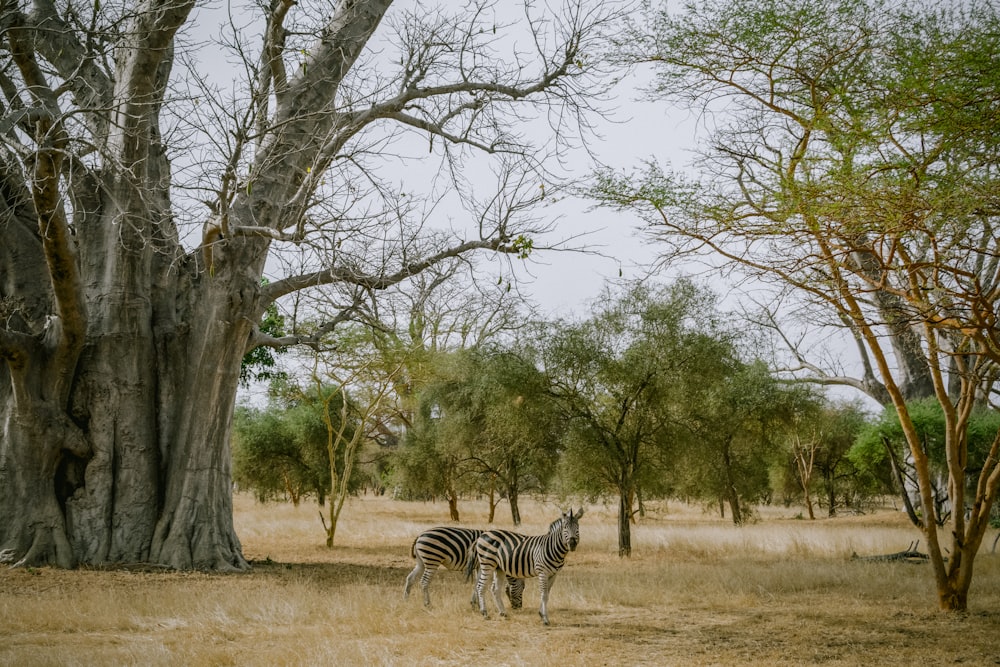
(560, 282)
(639, 130)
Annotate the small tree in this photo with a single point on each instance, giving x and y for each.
(269, 460)
(616, 378)
(348, 388)
(804, 454)
(284, 448)
(494, 411)
(733, 415)
(817, 444)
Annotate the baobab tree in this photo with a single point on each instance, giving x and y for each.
(142, 205)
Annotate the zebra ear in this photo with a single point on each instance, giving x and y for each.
(579, 513)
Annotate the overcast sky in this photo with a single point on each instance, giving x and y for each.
(560, 282)
(638, 130)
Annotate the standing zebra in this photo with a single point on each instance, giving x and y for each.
(501, 553)
(454, 548)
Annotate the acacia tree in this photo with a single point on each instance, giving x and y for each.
(141, 206)
(856, 164)
(617, 378)
(733, 411)
(815, 443)
(279, 450)
(493, 413)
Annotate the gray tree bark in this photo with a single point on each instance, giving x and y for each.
(120, 345)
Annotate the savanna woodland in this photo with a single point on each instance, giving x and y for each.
(336, 199)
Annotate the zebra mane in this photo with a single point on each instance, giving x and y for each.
(556, 526)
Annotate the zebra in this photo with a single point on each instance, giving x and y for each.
(502, 553)
(453, 548)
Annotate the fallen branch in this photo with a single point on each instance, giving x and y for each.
(910, 555)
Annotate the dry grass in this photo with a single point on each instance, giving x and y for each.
(696, 592)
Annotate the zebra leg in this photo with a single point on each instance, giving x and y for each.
(410, 578)
(498, 576)
(515, 592)
(472, 569)
(480, 585)
(425, 584)
(545, 585)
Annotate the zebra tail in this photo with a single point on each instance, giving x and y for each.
(473, 563)
(413, 547)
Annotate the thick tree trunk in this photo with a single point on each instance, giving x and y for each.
(159, 485)
(149, 478)
(33, 526)
(194, 527)
(142, 470)
(117, 449)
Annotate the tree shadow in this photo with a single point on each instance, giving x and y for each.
(330, 574)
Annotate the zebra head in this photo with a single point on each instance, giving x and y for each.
(571, 528)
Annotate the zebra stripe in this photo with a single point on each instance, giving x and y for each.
(502, 553)
(452, 548)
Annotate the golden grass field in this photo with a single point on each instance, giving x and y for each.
(697, 591)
